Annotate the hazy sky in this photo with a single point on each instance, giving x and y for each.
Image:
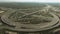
(29, 0)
